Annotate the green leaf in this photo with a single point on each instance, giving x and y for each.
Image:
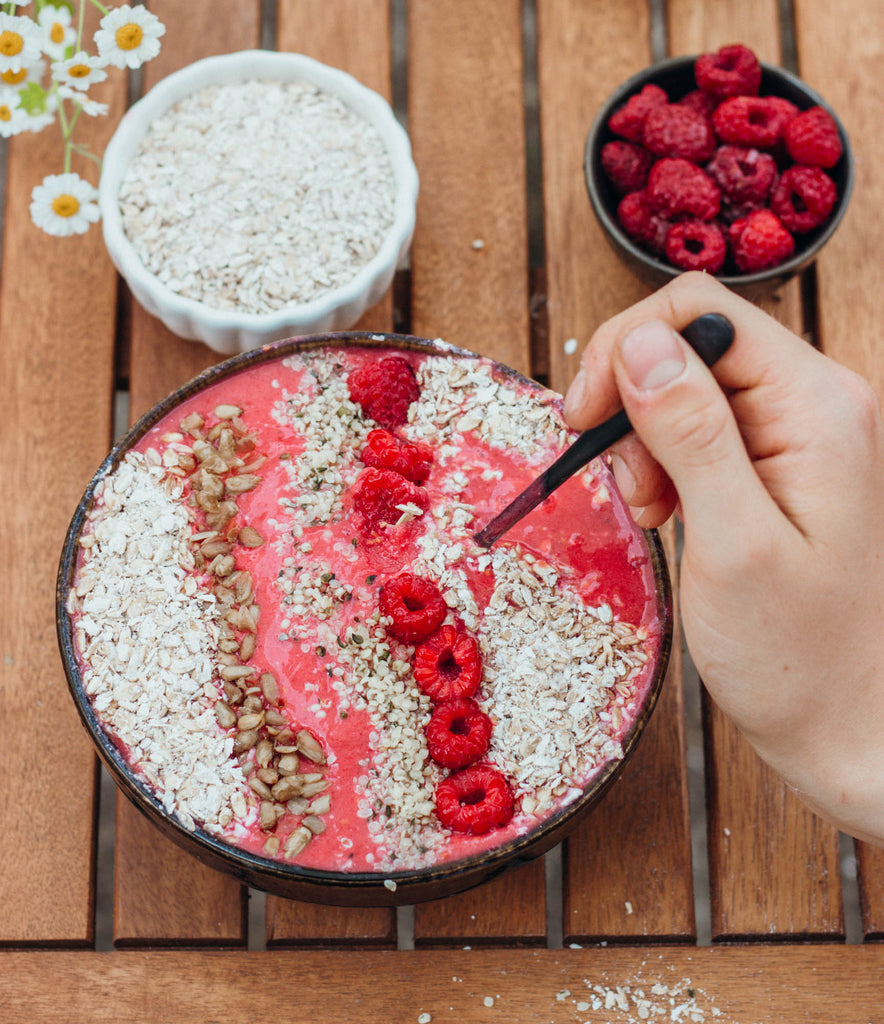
(32, 98)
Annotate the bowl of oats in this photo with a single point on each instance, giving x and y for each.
(291, 653)
(256, 196)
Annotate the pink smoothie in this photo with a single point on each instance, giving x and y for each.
(341, 675)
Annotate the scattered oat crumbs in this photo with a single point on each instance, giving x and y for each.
(570, 346)
(424, 1018)
(488, 1001)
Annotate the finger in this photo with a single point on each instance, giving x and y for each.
(640, 479)
(764, 353)
(684, 419)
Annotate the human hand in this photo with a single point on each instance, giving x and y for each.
(776, 467)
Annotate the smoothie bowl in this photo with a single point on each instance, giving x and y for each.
(293, 656)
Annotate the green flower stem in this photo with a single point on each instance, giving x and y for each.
(81, 7)
(101, 7)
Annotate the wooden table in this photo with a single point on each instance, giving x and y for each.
(498, 130)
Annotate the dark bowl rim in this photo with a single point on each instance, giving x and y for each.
(791, 266)
(257, 870)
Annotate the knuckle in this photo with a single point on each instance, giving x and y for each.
(700, 432)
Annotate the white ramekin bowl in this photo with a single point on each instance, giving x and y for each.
(230, 331)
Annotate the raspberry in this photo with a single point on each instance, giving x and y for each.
(415, 605)
(640, 222)
(458, 733)
(749, 121)
(628, 121)
(812, 138)
(448, 665)
(731, 71)
(378, 493)
(677, 187)
(385, 389)
(803, 198)
(679, 131)
(474, 800)
(703, 102)
(627, 165)
(696, 245)
(760, 241)
(743, 175)
(410, 459)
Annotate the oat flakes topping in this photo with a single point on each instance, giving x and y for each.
(258, 195)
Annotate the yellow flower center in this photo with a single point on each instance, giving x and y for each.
(11, 43)
(5, 113)
(129, 36)
(65, 205)
(56, 33)
(14, 77)
(79, 70)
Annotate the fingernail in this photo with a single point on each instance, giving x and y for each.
(576, 394)
(652, 355)
(623, 477)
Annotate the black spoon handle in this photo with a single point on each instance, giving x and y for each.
(710, 336)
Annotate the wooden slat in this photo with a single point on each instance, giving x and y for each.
(57, 309)
(163, 895)
(510, 910)
(774, 867)
(353, 35)
(841, 58)
(466, 123)
(838, 985)
(642, 891)
(870, 870)
(583, 50)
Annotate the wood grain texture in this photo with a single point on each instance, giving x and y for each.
(469, 147)
(163, 895)
(643, 890)
(774, 867)
(510, 910)
(870, 870)
(57, 315)
(353, 35)
(841, 58)
(293, 923)
(582, 50)
(466, 122)
(840, 985)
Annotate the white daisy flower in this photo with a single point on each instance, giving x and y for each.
(12, 118)
(27, 73)
(129, 36)
(20, 42)
(79, 71)
(64, 204)
(89, 106)
(58, 33)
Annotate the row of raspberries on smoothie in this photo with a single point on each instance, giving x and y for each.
(447, 666)
(390, 488)
(291, 802)
(721, 174)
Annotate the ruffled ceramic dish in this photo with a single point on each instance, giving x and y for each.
(291, 654)
(330, 294)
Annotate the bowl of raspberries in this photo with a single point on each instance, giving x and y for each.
(718, 163)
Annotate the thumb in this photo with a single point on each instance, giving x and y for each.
(684, 419)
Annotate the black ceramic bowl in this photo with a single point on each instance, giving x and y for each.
(676, 77)
(286, 878)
